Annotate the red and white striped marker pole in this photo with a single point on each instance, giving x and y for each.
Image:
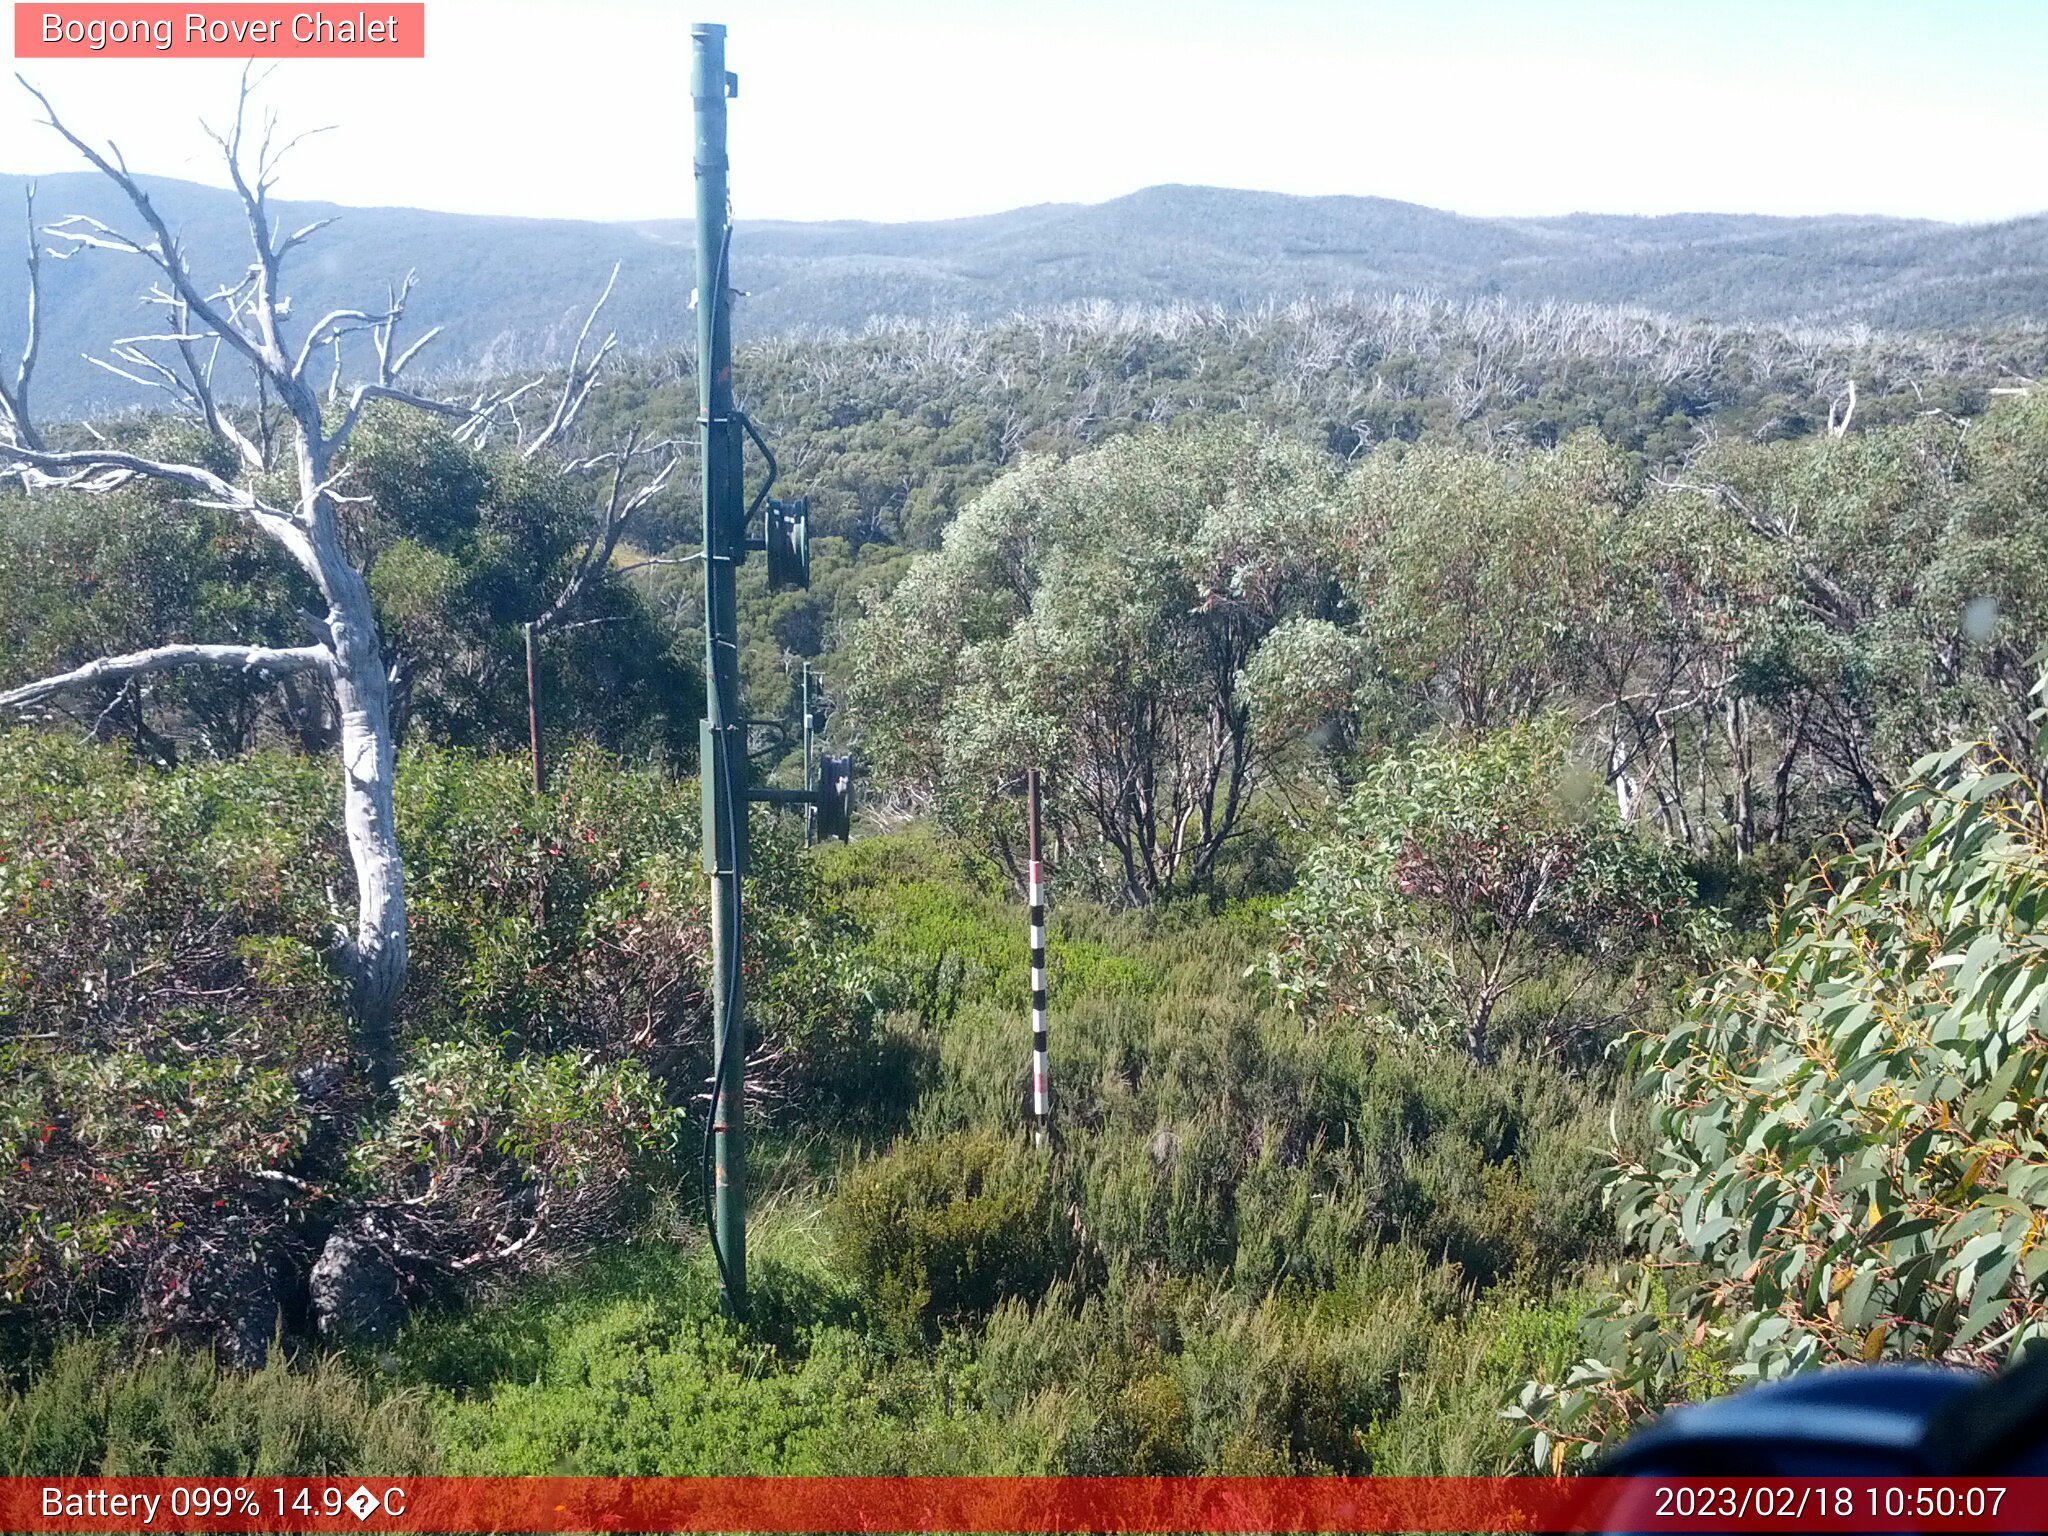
(1041, 1086)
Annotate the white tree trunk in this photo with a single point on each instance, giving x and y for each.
(376, 956)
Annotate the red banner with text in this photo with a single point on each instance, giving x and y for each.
(1023, 1504)
(235, 31)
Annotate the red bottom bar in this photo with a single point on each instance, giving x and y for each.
(1022, 1504)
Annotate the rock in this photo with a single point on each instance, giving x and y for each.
(213, 1297)
(317, 1079)
(245, 1335)
(358, 1295)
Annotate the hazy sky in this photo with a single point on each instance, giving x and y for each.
(900, 109)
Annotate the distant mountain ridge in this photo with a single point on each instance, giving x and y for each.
(510, 292)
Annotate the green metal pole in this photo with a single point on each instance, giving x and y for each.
(723, 758)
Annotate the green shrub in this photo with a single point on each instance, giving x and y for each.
(1156, 1375)
(940, 1231)
(481, 1160)
(1460, 871)
(1143, 1428)
(1300, 1374)
(160, 979)
(1491, 1167)
(574, 920)
(1443, 1424)
(125, 1173)
(1093, 615)
(95, 1410)
(633, 1391)
(943, 931)
(628, 1368)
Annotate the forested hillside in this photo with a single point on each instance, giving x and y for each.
(511, 291)
(1542, 808)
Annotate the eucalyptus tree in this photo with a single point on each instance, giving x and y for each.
(1878, 594)
(1472, 572)
(1095, 618)
(1688, 600)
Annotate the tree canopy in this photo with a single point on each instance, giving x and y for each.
(1094, 618)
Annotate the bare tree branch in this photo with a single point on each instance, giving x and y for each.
(165, 658)
(1847, 412)
(477, 430)
(655, 560)
(14, 402)
(619, 509)
(255, 206)
(66, 469)
(82, 232)
(303, 233)
(363, 394)
(332, 326)
(398, 366)
(191, 387)
(166, 253)
(387, 370)
(200, 377)
(581, 376)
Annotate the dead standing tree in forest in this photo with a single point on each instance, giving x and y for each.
(246, 318)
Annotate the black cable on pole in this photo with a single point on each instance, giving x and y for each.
(707, 1186)
(707, 1181)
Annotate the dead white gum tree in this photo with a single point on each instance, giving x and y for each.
(244, 319)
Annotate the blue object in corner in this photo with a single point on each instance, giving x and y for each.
(1872, 1420)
